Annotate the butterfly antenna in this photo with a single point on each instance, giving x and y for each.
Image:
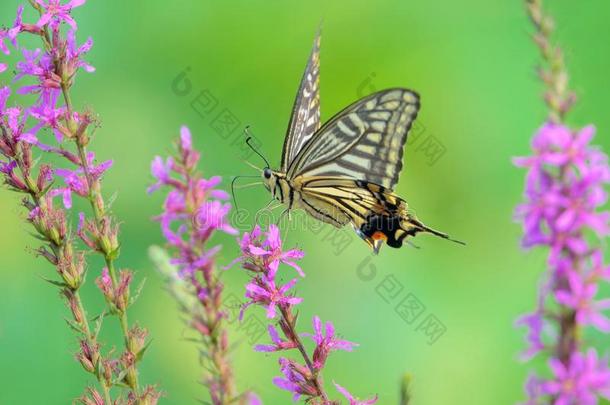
(256, 183)
(248, 140)
(233, 188)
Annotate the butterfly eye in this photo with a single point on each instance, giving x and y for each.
(267, 173)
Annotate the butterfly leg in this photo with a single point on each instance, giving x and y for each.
(269, 207)
(284, 213)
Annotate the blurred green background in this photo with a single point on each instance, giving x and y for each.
(472, 62)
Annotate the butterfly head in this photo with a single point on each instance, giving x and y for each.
(271, 180)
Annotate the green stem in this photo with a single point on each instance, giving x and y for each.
(97, 205)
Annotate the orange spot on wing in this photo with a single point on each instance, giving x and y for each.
(378, 235)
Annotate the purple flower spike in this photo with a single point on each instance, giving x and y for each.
(43, 138)
(563, 212)
(192, 214)
(565, 189)
(261, 255)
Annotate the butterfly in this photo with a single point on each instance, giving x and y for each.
(344, 172)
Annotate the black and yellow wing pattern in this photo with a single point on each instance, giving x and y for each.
(377, 214)
(305, 117)
(365, 141)
(344, 171)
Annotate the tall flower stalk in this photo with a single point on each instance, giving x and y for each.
(194, 210)
(261, 257)
(565, 191)
(53, 126)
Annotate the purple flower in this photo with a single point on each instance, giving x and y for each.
(5, 93)
(8, 168)
(206, 188)
(186, 143)
(74, 53)
(11, 34)
(56, 13)
(212, 216)
(161, 171)
(580, 297)
(272, 252)
(253, 399)
(250, 239)
(17, 26)
(189, 264)
(278, 343)
(535, 323)
(263, 291)
(48, 115)
(3, 67)
(75, 179)
(40, 65)
(352, 400)
(294, 379)
(580, 381)
(189, 156)
(326, 343)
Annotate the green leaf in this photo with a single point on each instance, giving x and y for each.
(56, 283)
(140, 354)
(137, 293)
(73, 325)
(98, 323)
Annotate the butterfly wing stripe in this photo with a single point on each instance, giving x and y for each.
(341, 204)
(365, 141)
(305, 118)
(320, 213)
(371, 195)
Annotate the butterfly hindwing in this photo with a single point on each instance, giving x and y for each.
(305, 118)
(365, 141)
(376, 213)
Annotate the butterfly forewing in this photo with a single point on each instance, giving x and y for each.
(305, 118)
(365, 141)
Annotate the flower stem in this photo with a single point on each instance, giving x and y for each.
(98, 207)
(289, 320)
